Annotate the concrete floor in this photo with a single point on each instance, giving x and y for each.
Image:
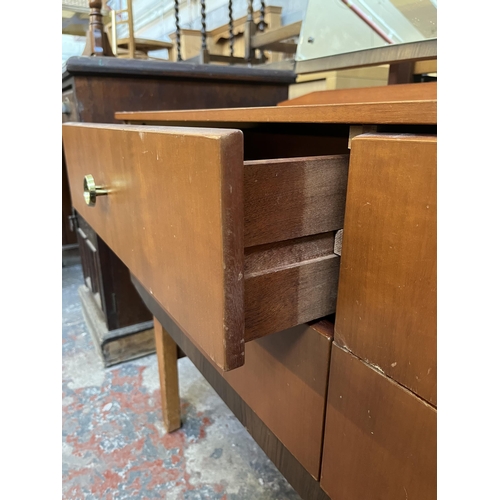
(114, 442)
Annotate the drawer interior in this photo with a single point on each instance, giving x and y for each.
(280, 140)
(288, 140)
(292, 210)
(232, 249)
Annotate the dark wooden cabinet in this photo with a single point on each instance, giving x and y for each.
(93, 89)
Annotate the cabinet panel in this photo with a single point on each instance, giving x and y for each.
(380, 439)
(386, 307)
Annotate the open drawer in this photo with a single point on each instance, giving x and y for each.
(232, 250)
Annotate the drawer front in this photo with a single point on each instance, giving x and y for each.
(175, 214)
(380, 439)
(292, 366)
(387, 303)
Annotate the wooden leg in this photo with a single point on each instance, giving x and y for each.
(166, 349)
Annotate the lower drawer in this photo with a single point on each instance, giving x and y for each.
(380, 439)
(232, 250)
(284, 381)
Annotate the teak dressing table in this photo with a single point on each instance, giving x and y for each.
(290, 252)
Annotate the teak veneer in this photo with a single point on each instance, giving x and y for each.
(232, 223)
(382, 93)
(419, 112)
(247, 245)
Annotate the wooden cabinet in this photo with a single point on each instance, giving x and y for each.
(93, 90)
(227, 221)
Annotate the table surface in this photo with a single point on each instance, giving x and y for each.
(408, 112)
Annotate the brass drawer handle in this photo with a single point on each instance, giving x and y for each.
(91, 191)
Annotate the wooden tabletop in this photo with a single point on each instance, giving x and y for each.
(113, 66)
(416, 112)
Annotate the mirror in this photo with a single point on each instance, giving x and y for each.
(335, 27)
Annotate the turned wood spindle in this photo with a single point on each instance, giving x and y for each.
(231, 29)
(203, 26)
(262, 23)
(97, 43)
(262, 26)
(249, 10)
(177, 30)
(250, 29)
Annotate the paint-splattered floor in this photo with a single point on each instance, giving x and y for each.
(114, 443)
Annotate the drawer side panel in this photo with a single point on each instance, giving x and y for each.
(294, 197)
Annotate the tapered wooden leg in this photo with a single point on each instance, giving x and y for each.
(166, 349)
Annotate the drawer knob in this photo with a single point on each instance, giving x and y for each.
(91, 191)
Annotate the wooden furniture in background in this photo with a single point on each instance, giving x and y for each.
(97, 43)
(399, 63)
(237, 41)
(93, 89)
(75, 17)
(130, 46)
(370, 418)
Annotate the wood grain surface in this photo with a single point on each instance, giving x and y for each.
(382, 93)
(386, 308)
(380, 439)
(422, 112)
(292, 366)
(289, 283)
(174, 216)
(136, 93)
(290, 198)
